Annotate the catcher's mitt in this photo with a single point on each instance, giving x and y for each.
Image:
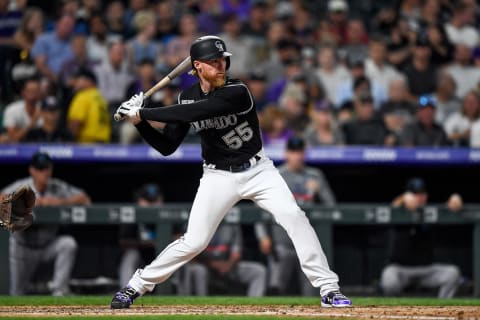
(16, 209)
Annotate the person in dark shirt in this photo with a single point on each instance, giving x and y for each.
(420, 72)
(397, 111)
(50, 130)
(411, 261)
(222, 111)
(365, 128)
(424, 131)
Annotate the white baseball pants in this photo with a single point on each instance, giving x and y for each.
(218, 192)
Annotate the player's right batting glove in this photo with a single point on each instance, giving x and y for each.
(130, 108)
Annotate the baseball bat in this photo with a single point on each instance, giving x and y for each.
(178, 70)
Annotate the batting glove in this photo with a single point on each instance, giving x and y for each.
(130, 108)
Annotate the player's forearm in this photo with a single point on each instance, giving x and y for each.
(162, 143)
(79, 199)
(17, 134)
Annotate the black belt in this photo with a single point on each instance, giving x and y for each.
(234, 167)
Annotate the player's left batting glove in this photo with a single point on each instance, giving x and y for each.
(129, 109)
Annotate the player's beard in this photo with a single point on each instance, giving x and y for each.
(216, 80)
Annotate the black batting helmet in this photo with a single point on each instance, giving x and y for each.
(209, 47)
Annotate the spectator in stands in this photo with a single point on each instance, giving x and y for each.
(20, 64)
(458, 125)
(25, 114)
(399, 47)
(257, 23)
(72, 8)
(284, 65)
(358, 81)
(459, 30)
(222, 259)
(137, 240)
(257, 84)
(79, 60)
(145, 79)
(302, 25)
(16, 63)
(240, 8)
(430, 14)
(411, 11)
(420, 73)
(88, 8)
(424, 131)
(10, 20)
(377, 69)
(385, 20)
(99, 39)
(465, 74)
(115, 19)
(365, 128)
(50, 131)
(41, 243)
(330, 72)
(134, 7)
(324, 130)
(294, 102)
(338, 20)
(411, 257)
(52, 49)
(267, 49)
(308, 185)
(397, 111)
(166, 24)
(324, 35)
(447, 102)
(113, 76)
(143, 45)
(442, 49)
(88, 118)
(179, 46)
(210, 17)
(356, 45)
(273, 123)
(241, 44)
(29, 29)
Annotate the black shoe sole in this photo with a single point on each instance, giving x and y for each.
(119, 305)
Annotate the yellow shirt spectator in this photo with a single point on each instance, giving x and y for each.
(90, 109)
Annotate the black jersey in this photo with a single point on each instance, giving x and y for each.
(226, 120)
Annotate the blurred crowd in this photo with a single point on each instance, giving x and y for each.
(335, 72)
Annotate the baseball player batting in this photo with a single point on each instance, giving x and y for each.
(235, 167)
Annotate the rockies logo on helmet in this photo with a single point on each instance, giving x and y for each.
(219, 45)
(209, 47)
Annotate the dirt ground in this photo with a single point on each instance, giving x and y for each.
(361, 313)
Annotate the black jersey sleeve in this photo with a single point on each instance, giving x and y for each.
(165, 142)
(229, 99)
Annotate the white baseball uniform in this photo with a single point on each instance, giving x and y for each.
(235, 168)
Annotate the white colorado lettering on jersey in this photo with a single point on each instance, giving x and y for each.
(218, 123)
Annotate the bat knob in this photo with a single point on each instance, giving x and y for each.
(117, 117)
